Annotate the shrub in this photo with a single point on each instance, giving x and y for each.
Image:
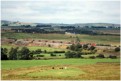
(117, 49)
(92, 48)
(73, 54)
(59, 51)
(38, 51)
(52, 54)
(112, 57)
(100, 56)
(92, 57)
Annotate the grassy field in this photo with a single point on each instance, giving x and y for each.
(48, 56)
(11, 64)
(49, 49)
(35, 36)
(61, 69)
(105, 39)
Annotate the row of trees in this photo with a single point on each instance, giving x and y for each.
(76, 50)
(79, 47)
(15, 54)
(23, 53)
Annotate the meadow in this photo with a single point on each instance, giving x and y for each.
(79, 69)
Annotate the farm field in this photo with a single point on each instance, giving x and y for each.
(105, 39)
(61, 69)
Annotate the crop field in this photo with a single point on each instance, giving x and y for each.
(105, 39)
(61, 69)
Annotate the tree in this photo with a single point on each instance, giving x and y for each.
(5, 50)
(92, 48)
(75, 47)
(85, 46)
(79, 45)
(69, 54)
(77, 39)
(24, 54)
(4, 24)
(13, 54)
(73, 54)
(3, 54)
(38, 51)
(72, 47)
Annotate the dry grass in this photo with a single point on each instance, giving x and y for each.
(99, 71)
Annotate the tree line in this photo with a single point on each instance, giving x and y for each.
(16, 54)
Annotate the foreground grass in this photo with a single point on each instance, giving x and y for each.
(77, 69)
(12, 64)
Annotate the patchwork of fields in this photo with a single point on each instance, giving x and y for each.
(59, 67)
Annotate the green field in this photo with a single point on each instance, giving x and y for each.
(105, 39)
(49, 49)
(11, 64)
(61, 69)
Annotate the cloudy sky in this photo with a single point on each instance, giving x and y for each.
(61, 11)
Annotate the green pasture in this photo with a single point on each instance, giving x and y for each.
(12, 64)
(48, 49)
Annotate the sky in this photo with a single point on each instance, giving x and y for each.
(61, 11)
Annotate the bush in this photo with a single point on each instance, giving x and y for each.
(112, 57)
(59, 51)
(85, 46)
(38, 51)
(92, 48)
(92, 57)
(117, 49)
(73, 54)
(100, 56)
(52, 54)
(40, 55)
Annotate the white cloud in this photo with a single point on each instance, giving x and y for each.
(62, 11)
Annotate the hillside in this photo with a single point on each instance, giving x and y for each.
(17, 23)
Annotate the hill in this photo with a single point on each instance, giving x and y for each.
(17, 23)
